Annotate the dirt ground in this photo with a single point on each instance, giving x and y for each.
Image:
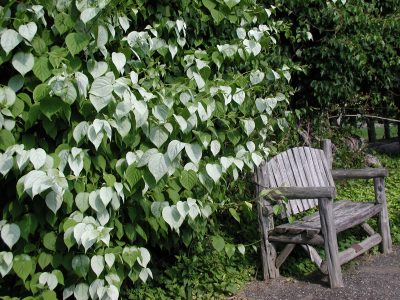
(375, 277)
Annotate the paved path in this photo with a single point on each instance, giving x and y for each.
(376, 277)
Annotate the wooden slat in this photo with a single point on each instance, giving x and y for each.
(346, 215)
(271, 182)
(315, 258)
(312, 179)
(297, 179)
(280, 181)
(319, 168)
(297, 239)
(303, 173)
(284, 254)
(287, 176)
(359, 248)
(328, 170)
(356, 249)
(368, 229)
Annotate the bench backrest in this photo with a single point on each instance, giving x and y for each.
(301, 167)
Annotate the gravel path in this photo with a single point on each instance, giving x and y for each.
(375, 277)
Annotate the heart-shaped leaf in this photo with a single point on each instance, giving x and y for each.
(193, 151)
(28, 31)
(10, 234)
(10, 39)
(214, 171)
(97, 264)
(23, 62)
(119, 61)
(159, 165)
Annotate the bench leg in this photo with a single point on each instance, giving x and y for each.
(384, 228)
(330, 240)
(269, 254)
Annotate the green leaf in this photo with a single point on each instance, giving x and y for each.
(188, 179)
(63, 22)
(76, 42)
(41, 68)
(41, 91)
(241, 248)
(218, 243)
(133, 175)
(230, 250)
(49, 106)
(130, 255)
(6, 139)
(59, 275)
(28, 224)
(22, 266)
(109, 179)
(80, 265)
(44, 260)
(139, 230)
(49, 295)
(49, 241)
(130, 232)
(234, 214)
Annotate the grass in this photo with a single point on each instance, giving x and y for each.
(380, 132)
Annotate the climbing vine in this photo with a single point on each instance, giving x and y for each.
(121, 125)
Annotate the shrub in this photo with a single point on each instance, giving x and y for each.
(121, 125)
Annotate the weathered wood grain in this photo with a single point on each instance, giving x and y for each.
(304, 176)
(315, 258)
(330, 242)
(297, 239)
(359, 173)
(327, 148)
(284, 254)
(356, 250)
(295, 192)
(368, 229)
(266, 223)
(384, 229)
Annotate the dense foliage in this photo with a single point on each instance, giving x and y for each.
(353, 59)
(122, 126)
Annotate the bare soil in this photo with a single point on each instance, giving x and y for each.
(372, 277)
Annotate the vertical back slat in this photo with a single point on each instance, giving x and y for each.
(282, 180)
(293, 178)
(302, 167)
(296, 163)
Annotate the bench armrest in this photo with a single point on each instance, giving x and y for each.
(359, 173)
(300, 192)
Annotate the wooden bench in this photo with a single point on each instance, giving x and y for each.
(304, 177)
